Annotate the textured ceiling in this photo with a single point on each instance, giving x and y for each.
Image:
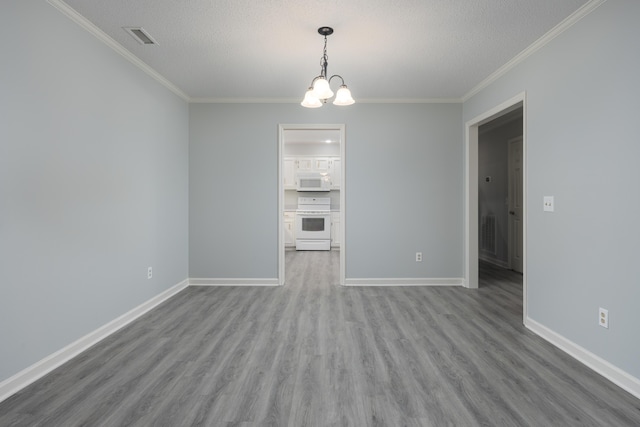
(270, 49)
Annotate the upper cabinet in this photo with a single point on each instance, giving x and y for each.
(322, 164)
(328, 165)
(305, 164)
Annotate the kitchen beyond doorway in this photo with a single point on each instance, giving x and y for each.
(308, 150)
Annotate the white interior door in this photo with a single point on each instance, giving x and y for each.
(515, 204)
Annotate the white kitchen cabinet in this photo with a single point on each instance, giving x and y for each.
(335, 229)
(329, 165)
(289, 229)
(305, 164)
(313, 164)
(289, 173)
(335, 173)
(322, 164)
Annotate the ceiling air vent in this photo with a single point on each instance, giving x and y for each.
(140, 35)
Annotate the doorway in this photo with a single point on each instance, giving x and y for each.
(473, 225)
(307, 150)
(500, 191)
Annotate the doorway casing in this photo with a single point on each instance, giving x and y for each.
(282, 128)
(514, 220)
(471, 191)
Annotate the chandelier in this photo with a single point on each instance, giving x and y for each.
(320, 90)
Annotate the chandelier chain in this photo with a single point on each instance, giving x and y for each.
(324, 60)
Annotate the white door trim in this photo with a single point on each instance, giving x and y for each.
(471, 191)
(343, 205)
(511, 232)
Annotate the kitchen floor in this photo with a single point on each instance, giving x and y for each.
(312, 269)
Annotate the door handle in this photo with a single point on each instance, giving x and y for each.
(512, 213)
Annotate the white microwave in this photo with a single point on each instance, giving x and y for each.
(313, 181)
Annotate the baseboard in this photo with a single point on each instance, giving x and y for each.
(12, 385)
(233, 282)
(497, 262)
(454, 281)
(614, 374)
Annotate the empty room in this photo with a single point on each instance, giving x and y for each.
(192, 196)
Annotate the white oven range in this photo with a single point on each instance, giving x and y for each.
(313, 224)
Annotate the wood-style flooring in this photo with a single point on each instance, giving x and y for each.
(312, 353)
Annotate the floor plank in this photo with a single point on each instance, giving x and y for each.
(313, 353)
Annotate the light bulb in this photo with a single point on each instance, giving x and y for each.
(343, 97)
(321, 89)
(310, 100)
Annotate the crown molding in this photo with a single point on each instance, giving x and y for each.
(410, 101)
(576, 16)
(244, 101)
(83, 22)
(297, 101)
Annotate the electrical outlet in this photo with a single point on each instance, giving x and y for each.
(603, 317)
(548, 204)
(418, 256)
(149, 273)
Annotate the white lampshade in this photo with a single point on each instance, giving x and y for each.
(321, 89)
(343, 97)
(310, 100)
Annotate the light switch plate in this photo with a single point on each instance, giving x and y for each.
(548, 204)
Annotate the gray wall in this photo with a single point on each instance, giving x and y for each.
(93, 184)
(583, 148)
(403, 188)
(493, 161)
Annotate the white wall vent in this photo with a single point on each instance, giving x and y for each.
(488, 234)
(140, 35)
